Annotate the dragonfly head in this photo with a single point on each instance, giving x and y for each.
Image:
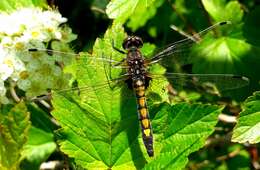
(132, 42)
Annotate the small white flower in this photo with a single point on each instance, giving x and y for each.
(6, 41)
(5, 71)
(25, 29)
(58, 35)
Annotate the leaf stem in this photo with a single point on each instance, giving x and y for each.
(13, 92)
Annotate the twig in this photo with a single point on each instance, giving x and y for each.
(93, 8)
(45, 104)
(229, 155)
(13, 92)
(227, 118)
(252, 149)
(51, 165)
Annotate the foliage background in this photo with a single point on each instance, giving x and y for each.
(150, 20)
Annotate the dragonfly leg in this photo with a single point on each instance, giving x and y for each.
(117, 49)
(119, 63)
(109, 73)
(117, 80)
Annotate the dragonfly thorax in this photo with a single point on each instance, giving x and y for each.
(136, 67)
(137, 71)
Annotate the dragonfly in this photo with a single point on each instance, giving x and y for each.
(138, 78)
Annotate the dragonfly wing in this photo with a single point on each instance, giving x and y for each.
(86, 90)
(222, 81)
(180, 49)
(59, 55)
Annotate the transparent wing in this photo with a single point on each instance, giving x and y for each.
(222, 81)
(181, 48)
(58, 55)
(86, 89)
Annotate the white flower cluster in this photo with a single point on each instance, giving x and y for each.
(32, 72)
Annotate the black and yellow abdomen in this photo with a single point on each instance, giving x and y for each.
(139, 81)
(143, 114)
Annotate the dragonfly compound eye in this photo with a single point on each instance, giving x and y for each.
(132, 41)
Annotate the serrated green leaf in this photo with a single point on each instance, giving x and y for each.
(147, 49)
(138, 11)
(97, 129)
(39, 147)
(143, 13)
(184, 130)
(10, 5)
(14, 126)
(220, 10)
(212, 52)
(248, 126)
(100, 129)
(228, 53)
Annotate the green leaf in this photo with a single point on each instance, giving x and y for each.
(248, 126)
(219, 10)
(183, 129)
(143, 12)
(97, 129)
(41, 119)
(39, 147)
(138, 11)
(14, 126)
(40, 141)
(219, 56)
(228, 53)
(10, 5)
(100, 128)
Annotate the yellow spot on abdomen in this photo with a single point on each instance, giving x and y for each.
(147, 132)
(140, 88)
(141, 102)
(145, 123)
(143, 112)
(140, 93)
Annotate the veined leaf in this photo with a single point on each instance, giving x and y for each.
(40, 144)
(248, 126)
(220, 10)
(100, 128)
(14, 126)
(230, 53)
(39, 147)
(138, 11)
(142, 14)
(183, 129)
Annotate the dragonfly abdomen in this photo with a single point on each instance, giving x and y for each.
(143, 114)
